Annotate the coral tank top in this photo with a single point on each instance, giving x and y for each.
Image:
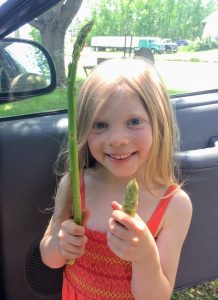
(99, 274)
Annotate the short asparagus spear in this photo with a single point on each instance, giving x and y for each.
(130, 202)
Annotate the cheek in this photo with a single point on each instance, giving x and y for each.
(90, 143)
(144, 140)
(149, 140)
(93, 143)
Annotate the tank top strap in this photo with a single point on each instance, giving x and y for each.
(158, 214)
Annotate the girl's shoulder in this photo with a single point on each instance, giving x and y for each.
(175, 224)
(181, 201)
(180, 209)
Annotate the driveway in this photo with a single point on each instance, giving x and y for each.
(182, 76)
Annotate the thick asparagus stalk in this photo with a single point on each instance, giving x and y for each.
(130, 202)
(72, 127)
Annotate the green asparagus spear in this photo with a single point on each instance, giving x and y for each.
(72, 127)
(130, 202)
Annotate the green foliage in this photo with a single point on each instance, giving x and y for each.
(201, 45)
(206, 44)
(174, 19)
(35, 35)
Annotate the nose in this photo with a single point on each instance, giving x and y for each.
(118, 137)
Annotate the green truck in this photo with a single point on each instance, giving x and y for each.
(153, 43)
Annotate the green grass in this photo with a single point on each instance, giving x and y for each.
(51, 102)
(204, 291)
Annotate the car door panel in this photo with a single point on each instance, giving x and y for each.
(29, 148)
(198, 160)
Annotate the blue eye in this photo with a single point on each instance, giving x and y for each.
(99, 125)
(134, 122)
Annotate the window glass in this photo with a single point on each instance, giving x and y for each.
(2, 2)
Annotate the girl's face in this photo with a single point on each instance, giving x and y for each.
(121, 136)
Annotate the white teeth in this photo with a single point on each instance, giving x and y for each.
(120, 156)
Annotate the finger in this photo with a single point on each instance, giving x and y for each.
(116, 206)
(72, 253)
(72, 244)
(70, 227)
(71, 249)
(132, 223)
(117, 229)
(77, 241)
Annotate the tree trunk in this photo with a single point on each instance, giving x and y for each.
(53, 40)
(52, 26)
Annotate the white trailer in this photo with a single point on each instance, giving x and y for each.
(102, 43)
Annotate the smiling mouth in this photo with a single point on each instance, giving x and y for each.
(120, 156)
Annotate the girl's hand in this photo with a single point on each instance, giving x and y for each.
(72, 238)
(128, 237)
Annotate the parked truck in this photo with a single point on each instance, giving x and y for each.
(170, 46)
(119, 43)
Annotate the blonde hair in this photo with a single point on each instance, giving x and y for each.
(141, 78)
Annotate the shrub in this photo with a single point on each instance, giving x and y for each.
(203, 44)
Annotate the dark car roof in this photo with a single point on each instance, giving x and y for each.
(15, 13)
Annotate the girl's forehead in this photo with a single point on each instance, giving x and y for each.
(114, 90)
(119, 101)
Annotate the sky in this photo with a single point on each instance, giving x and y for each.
(85, 9)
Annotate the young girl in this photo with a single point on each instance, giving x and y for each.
(126, 130)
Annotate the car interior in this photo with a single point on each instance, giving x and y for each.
(27, 178)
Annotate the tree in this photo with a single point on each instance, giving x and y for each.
(164, 18)
(52, 26)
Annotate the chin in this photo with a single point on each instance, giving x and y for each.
(123, 175)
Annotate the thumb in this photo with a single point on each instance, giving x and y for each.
(116, 206)
(85, 216)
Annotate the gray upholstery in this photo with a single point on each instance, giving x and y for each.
(197, 117)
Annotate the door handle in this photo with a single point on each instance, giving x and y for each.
(199, 158)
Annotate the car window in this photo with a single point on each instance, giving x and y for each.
(183, 40)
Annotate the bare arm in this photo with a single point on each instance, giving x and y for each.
(63, 239)
(154, 264)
